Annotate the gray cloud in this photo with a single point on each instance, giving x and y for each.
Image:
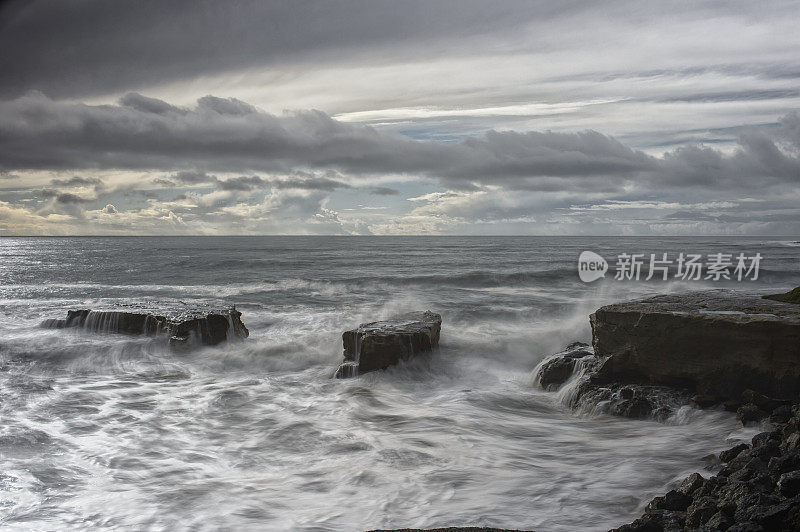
(63, 197)
(384, 191)
(231, 136)
(67, 49)
(77, 181)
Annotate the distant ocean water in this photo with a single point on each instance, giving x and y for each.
(111, 431)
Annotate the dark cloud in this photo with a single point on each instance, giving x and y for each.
(232, 136)
(309, 183)
(148, 105)
(90, 47)
(77, 181)
(248, 183)
(240, 183)
(383, 191)
(63, 197)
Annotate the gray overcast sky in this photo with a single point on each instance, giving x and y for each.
(400, 117)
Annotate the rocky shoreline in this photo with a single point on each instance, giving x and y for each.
(710, 350)
(756, 489)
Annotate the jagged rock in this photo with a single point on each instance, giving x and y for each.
(733, 452)
(750, 413)
(718, 521)
(700, 511)
(691, 484)
(380, 344)
(717, 343)
(181, 324)
(789, 484)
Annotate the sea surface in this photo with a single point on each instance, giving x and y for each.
(117, 432)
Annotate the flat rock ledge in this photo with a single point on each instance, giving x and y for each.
(180, 324)
(380, 344)
(715, 343)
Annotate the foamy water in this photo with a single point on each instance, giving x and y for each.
(118, 432)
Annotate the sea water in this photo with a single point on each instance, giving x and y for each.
(118, 432)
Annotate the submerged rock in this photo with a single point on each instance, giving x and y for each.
(181, 324)
(717, 343)
(380, 344)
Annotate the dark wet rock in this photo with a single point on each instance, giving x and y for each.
(733, 452)
(181, 324)
(556, 372)
(764, 402)
(789, 484)
(750, 413)
(746, 527)
(674, 500)
(592, 392)
(718, 343)
(656, 521)
(718, 521)
(706, 401)
(378, 345)
(691, 484)
(700, 511)
(792, 296)
(782, 414)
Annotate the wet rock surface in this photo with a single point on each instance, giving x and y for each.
(578, 367)
(715, 343)
(757, 488)
(380, 344)
(180, 324)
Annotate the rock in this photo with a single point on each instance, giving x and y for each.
(746, 527)
(181, 324)
(782, 414)
(700, 511)
(656, 521)
(674, 500)
(691, 484)
(380, 344)
(763, 437)
(792, 296)
(750, 414)
(733, 452)
(718, 521)
(718, 343)
(767, 404)
(789, 484)
(555, 372)
(705, 401)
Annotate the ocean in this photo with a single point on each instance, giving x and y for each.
(115, 432)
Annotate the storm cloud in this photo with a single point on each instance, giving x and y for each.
(410, 116)
(233, 136)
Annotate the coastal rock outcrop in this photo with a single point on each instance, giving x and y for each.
(380, 344)
(574, 372)
(716, 343)
(181, 324)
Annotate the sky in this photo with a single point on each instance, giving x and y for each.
(400, 117)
